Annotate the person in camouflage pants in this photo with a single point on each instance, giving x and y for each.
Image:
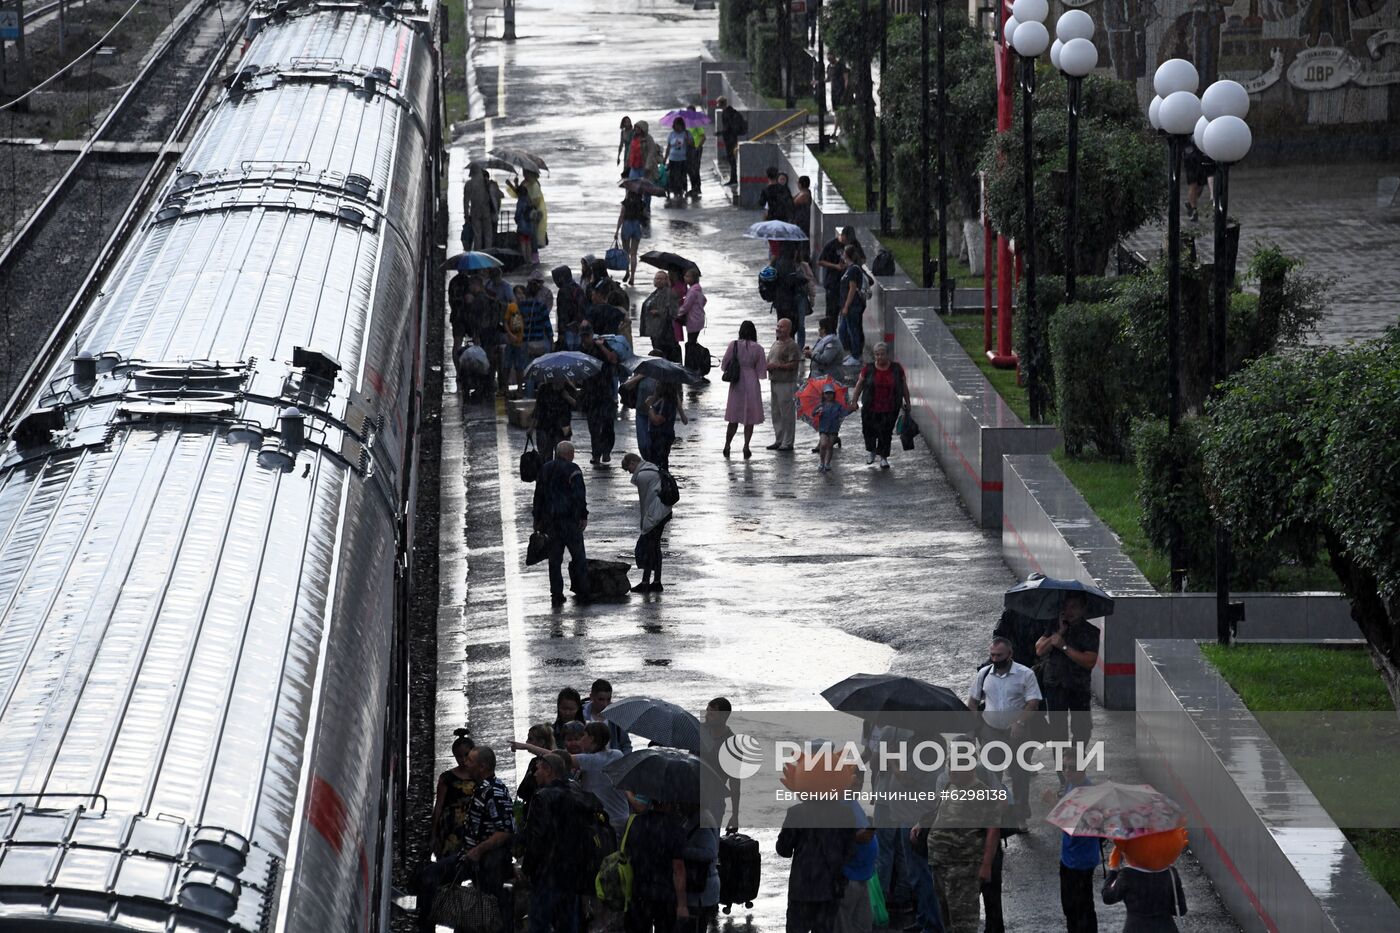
(961, 849)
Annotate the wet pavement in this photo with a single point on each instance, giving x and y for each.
(779, 580)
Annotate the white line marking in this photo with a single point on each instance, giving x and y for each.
(515, 599)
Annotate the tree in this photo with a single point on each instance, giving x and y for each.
(1305, 448)
(1122, 184)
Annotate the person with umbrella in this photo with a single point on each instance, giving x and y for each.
(659, 313)
(598, 397)
(480, 206)
(629, 231)
(655, 515)
(744, 365)
(531, 217)
(1069, 649)
(554, 409)
(662, 409)
(560, 510)
(882, 389)
(829, 416)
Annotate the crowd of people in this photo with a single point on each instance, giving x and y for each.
(934, 867)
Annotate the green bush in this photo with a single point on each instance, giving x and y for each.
(765, 56)
(734, 25)
(1093, 378)
(911, 212)
(1164, 504)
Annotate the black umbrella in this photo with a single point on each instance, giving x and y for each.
(564, 366)
(892, 700)
(663, 370)
(1042, 598)
(642, 186)
(662, 722)
(665, 774)
(671, 262)
(491, 162)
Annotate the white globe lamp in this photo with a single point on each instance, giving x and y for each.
(1179, 112)
(1055, 52)
(1175, 74)
(1031, 39)
(1009, 29)
(1227, 139)
(1078, 57)
(1198, 134)
(1030, 11)
(1154, 110)
(1225, 99)
(1074, 24)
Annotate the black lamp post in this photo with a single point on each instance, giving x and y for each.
(1074, 54)
(884, 140)
(821, 81)
(867, 103)
(945, 284)
(1030, 38)
(1224, 137)
(1175, 112)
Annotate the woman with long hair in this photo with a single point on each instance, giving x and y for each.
(629, 230)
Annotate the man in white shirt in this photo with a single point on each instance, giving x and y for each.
(1009, 697)
(594, 756)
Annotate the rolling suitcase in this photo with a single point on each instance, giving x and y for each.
(739, 868)
(607, 579)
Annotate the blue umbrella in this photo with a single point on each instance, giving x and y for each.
(470, 262)
(1041, 598)
(564, 365)
(619, 345)
(691, 118)
(663, 370)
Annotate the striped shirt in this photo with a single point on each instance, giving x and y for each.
(489, 812)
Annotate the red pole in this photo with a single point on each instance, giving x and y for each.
(1006, 87)
(987, 239)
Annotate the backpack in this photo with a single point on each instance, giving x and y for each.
(613, 883)
(883, 264)
(598, 841)
(780, 206)
(768, 283)
(669, 493)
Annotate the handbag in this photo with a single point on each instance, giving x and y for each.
(466, 909)
(878, 909)
(731, 369)
(538, 548)
(616, 258)
(530, 461)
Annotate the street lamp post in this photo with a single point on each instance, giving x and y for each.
(945, 287)
(867, 109)
(1030, 38)
(821, 80)
(1175, 111)
(1225, 139)
(924, 275)
(1074, 54)
(884, 140)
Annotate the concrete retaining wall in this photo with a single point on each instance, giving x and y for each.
(1048, 528)
(1278, 861)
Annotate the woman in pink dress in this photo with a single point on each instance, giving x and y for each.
(745, 405)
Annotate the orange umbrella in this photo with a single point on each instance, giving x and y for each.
(809, 398)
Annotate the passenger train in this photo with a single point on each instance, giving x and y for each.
(206, 506)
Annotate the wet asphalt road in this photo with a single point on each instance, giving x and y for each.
(780, 581)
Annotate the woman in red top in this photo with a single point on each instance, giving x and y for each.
(882, 390)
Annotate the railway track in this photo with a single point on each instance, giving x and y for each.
(56, 262)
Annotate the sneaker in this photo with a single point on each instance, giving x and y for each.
(607, 458)
(884, 463)
(869, 459)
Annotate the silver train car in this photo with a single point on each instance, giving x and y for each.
(205, 510)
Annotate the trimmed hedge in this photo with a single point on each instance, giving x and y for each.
(734, 25)
(1093, 378)
(765, 56)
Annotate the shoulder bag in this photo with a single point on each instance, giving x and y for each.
(732, 368)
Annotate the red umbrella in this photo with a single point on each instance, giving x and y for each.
(809, 398)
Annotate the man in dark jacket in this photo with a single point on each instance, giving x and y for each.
(561, 512)
(820, 837)
(776, 198)
(553, 848)
(570, 301)
(598, 396)
(732, 125)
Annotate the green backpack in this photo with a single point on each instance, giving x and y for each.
(613, 883)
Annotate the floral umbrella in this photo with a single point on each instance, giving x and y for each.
(1115, 811)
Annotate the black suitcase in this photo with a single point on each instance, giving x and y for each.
(739, 869)
(697, 358)
(607, 579)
